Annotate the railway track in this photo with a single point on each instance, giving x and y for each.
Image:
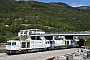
(36, 56)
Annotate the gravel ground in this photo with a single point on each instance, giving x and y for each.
(36, 56)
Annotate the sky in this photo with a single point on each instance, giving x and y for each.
(73, 3)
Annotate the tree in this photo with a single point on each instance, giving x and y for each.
(2, 38)
(9, 34)
(81, 42)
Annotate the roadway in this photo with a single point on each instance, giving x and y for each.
(36, 56)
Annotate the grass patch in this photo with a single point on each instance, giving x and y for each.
(2, 50)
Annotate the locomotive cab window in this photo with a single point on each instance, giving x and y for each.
(47, 42)
(8, 43)
(13, 43)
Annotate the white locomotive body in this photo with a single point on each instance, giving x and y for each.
(13, 46)
(35, 43)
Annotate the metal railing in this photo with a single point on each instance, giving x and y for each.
(82, 32)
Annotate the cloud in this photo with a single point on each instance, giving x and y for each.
(76, 5)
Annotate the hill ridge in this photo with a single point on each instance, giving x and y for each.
(42, 16)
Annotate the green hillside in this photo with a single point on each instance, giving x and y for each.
(15, 16)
